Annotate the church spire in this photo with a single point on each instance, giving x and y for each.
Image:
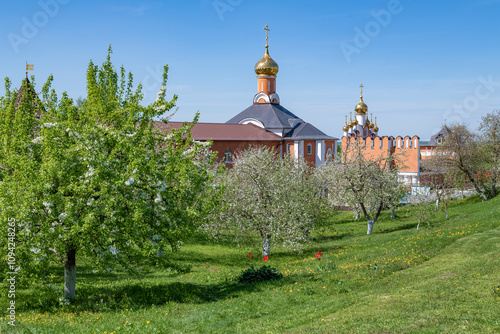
(266, 70)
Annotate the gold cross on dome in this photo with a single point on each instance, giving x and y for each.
(266, 28)
(361, 86)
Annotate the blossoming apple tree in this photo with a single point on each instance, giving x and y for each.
(99, 180)
(365, 184)
(273, 198)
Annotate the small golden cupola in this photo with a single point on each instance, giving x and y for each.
(346, 126)
(351, 122)
(370, 123)
(361, 107)
(266, 70)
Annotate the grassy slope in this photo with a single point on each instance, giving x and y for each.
(442, 279)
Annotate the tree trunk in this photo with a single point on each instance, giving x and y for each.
(418, 226)
(370, 226)
(393, 213)
(474, 183)
(266, 246)
(70, 274)
(356, 215)
(483, 196)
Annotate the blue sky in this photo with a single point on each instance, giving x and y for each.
(421, 62)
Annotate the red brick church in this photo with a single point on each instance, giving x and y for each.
(265, 123)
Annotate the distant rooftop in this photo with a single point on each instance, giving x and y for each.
(307, 131)
(223, 131)
(272, 116)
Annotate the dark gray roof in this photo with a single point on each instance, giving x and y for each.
(272, 116)
(305, 131)
(442, 133)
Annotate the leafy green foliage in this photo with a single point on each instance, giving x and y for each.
(264, 273)
(100, 180)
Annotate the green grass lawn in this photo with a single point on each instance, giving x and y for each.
(444, 278)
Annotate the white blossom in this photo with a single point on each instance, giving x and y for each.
(48, 125)
(90, 172)
(130, 181)
(158, 198)
(114, 250)
(37, 140)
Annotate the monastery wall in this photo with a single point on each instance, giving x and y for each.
(378, 147)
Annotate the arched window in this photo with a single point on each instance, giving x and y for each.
(309, 149)
(399, 142)
(416, 144)
(288, 148)
(228, 156)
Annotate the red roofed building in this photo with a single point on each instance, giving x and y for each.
(265, 123)
(229, 138)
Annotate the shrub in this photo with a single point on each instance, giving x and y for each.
(264, 273)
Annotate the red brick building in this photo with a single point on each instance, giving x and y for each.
(266, 123)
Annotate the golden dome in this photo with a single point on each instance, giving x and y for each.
(375, 129)
(361, 107)
(346, 126)
(371, 126)
(266, 66)
(355, 122)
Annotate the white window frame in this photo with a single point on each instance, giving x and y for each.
(228, 156)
